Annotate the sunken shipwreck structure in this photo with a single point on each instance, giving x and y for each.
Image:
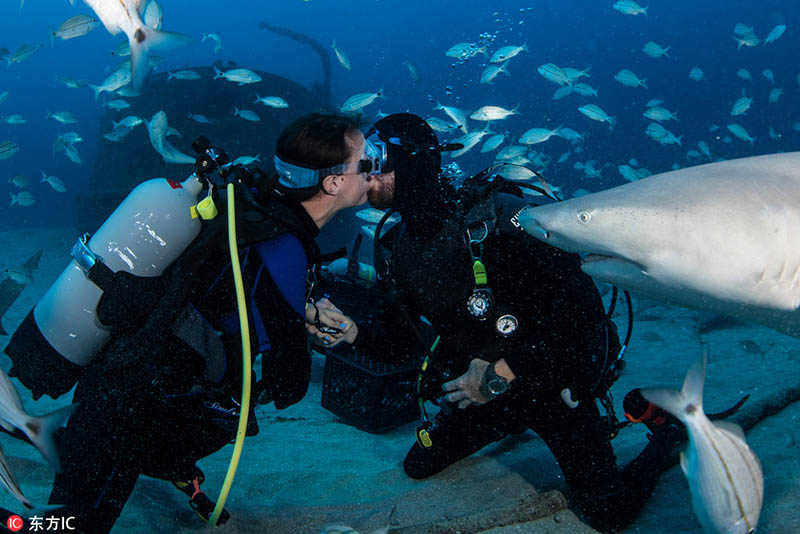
(121, 166)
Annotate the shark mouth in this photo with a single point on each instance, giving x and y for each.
(591, 258)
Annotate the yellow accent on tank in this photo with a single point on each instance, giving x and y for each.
(207, 209)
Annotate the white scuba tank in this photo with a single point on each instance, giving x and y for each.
(338, 267)
(144, 235)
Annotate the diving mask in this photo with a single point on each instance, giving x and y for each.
(298, 176)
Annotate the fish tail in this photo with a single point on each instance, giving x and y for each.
(13, 199)
(145, 40)
(40, 431)
(96, 90)
(688, 401)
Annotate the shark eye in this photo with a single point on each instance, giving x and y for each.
(584, 216)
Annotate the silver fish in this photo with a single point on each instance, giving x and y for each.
(775, 34)
(246, 114)
(272, 101)
(469, 140)
(628, 78)
(507, 52)
(464, 51)
(72, 153)
(491, 72)
(741, 106)
(361, 100)
(344, 61)
(23, 198)
(655, 50)
(596, 113)
(64, 117)
(8, 149)
(76, 26)
(130, 121)
(214, 37)
(19, 180)
(739, 131)
(14, 119)
(117, 104)
(493, 142)
(183, 75)
(374, 216)
(157, 129)
(117, 79)
(724, 473)
(492, 113)
(584, 89)
(23, 52)
(202, 119)
(247, 160)
(455, 114)
(537, 135)
(657, 113)
(55, 182)
(553, 73)
(240, 76)
(123, 16)
(629, 7)
(38, 429)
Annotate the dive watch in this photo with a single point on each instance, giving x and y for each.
(493, 384)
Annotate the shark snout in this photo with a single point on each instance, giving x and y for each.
(531, 224)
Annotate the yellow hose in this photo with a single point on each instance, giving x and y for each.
(244, 409)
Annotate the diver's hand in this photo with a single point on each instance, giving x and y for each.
(328, 325)
(465, 390)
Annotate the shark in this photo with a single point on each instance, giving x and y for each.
(722, 237)
(11, 286)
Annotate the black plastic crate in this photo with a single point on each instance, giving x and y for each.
(371, 396)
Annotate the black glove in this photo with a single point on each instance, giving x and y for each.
(285, 376)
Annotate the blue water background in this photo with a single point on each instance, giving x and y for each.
(378, 35)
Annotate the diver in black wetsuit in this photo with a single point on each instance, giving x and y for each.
(526, 347)
(181, 403)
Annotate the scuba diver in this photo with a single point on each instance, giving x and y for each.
(166, 390)
(525, 342)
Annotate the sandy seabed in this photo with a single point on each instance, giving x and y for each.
(307, 469)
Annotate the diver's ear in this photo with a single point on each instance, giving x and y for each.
(332, 183)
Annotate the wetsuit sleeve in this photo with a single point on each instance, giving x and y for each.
(279, 299)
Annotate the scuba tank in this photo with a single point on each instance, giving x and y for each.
(146, 233)
(143, 236)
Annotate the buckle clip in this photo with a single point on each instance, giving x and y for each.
(83, 255)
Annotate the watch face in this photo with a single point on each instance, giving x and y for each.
(497, 386)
